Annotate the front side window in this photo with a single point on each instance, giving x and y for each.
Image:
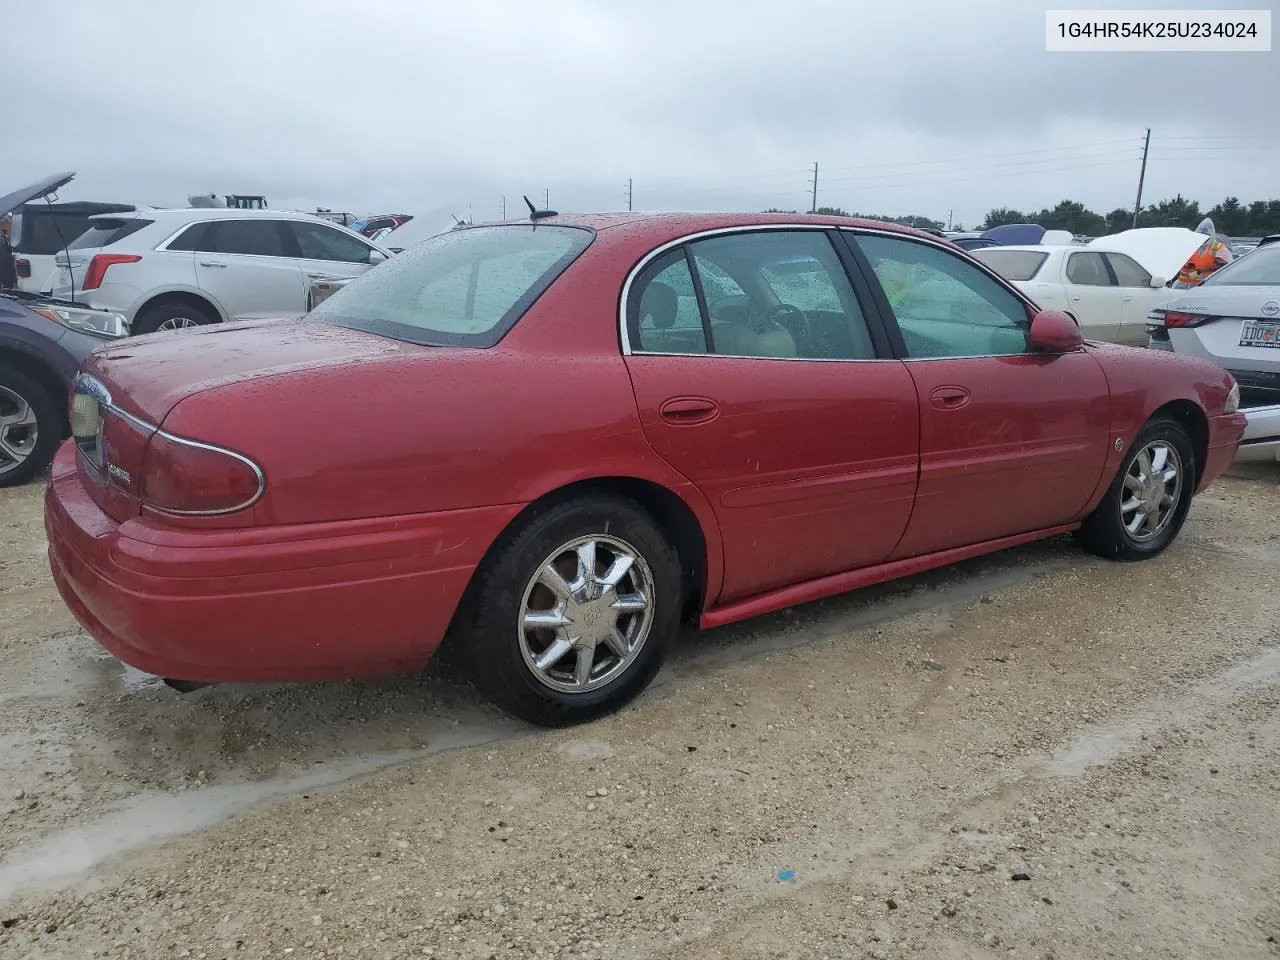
(1129, 273)
(462, 288)
(318, 242)
(944, 305)
(775, 294)
(260, 238)
(1088, 270)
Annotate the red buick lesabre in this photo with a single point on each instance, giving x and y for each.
(557, 440)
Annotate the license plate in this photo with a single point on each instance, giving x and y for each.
(1255, 333)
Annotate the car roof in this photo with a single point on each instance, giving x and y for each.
(220, 213)
(1033, 247)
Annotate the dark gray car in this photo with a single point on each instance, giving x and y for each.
(42, 343)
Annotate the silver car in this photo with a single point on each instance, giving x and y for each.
(1233, 318)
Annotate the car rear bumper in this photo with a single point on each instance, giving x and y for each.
(296, 603)
(1225, 433)
(1262, 434)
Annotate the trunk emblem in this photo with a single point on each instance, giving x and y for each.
(1271, 308)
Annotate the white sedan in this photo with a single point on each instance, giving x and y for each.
(1108, 292)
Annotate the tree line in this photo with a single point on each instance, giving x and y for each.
(1230, 217)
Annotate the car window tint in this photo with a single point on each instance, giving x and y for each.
(945, 306)
(780, 294)
(103, 233)
(1088, 270)
(318, 242)
(254, 237)
(188, 239)
(1128, 271)
(1013, 264)
(663, 308)
(462, 288)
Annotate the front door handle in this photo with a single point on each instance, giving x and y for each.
(689, 410)
(213, 263)
(949, 398)
(323, 276)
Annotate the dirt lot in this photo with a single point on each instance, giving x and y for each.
(1034, 755)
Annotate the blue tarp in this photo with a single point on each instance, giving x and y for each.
(1015, 233)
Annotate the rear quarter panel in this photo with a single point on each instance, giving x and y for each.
(438, 429)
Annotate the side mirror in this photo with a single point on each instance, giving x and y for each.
(1158, 282)
(1053, 331)
(376, 257)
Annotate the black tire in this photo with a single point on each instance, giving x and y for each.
(17, 387)
(1106, 534)
(488, 638)
(153, 317)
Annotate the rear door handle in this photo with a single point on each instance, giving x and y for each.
(213, 263)
(949, 398)
(689, 410)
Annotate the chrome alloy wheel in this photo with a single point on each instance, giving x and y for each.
(179, 323)
(586, 614)
(19, 430)
(1152, 491)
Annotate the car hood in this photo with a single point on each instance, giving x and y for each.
(147, 376)
(12, 201)
(1223, 300)
(1160, 250)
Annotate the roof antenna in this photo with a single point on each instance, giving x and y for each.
(536, 214)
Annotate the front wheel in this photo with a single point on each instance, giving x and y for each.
(571, 617)
(1148, 501)
(30, 427)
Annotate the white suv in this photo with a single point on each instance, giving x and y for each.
(167, 269)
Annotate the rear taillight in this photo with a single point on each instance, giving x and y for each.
(1176, 318)
(99, 265)
(23, 268)
(189, 478)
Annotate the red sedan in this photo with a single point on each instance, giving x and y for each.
(556, 441)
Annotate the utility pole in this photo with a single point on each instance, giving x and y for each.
(546, 198)
(814, 207)
(628, 193)
(1137, 206)
(949, 213)
(504, 206)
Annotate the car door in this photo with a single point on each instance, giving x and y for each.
(327, 253)
(773, 399)
(249, 266)
(1137, 297)
(1092, 296)
(1011, 440)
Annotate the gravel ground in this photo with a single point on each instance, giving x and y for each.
(1037, 754)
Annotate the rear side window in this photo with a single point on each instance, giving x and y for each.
(1088, 270)
(188, 239)
(1013, 264)
(463, 288)
(103, 233)
(259, 238)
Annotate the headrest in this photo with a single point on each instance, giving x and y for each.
(661, 303)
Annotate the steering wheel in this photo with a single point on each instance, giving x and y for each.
(793, 320)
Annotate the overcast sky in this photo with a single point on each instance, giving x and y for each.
(910, 106)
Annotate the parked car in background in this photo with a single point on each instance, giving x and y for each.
(1233, 319)
(169, 269)
(555, 441)
(370, 226)
(1110, 293)
(40, 231)
(42, 344)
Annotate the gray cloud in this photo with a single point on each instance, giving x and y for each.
(918, 106)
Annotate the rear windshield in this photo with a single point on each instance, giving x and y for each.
(1261, 267)
(103, 233)
(42, 235)
(1012, 264)
(463, 288)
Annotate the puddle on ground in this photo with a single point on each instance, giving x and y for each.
(147, 818)
(1102, 744)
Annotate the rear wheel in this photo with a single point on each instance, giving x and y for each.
(1148, 502)
(30, 427)
(171, 315)
(571, 617)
